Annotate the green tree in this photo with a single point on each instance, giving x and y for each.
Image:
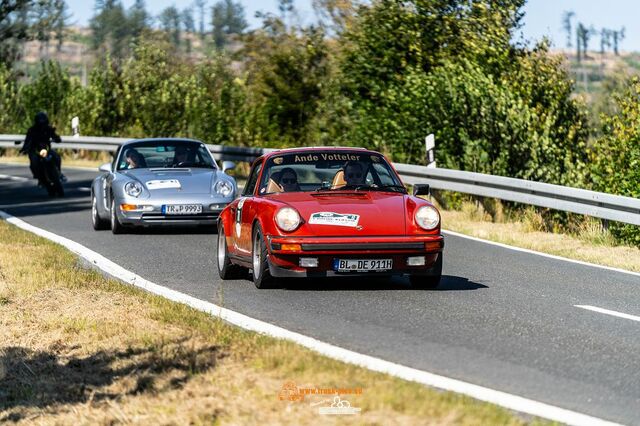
(189, 26)
(616, 157)
(170, 22)
(567, 16)
(286, 74)
(227, 20)
(451, 68)
(14, 29)
(110, 28)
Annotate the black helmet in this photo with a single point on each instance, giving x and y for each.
(41, 119)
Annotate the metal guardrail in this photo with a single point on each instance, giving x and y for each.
(92, 143)
(590, 203)
(582, 201)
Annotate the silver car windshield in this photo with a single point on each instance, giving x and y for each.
(165, 154)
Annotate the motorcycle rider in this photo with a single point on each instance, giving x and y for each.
(39, 137)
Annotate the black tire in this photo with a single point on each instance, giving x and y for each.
(97, 222)
(50, 189)
(430, 280)
(116, 226)
(260, 273)
(226, 269)
(59, 190)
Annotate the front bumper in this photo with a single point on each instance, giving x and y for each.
(151, 214)
(285, 254)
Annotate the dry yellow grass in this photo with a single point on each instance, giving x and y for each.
(78, 348)
(591, 244)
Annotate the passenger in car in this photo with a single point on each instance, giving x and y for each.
(135, 160)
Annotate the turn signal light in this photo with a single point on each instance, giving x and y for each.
(291, 247)
(432, 245)
(128, 207)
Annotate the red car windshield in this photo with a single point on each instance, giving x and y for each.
(328, 171)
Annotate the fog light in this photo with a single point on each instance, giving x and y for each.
(309, 262)
(216, 206)
(415, 261)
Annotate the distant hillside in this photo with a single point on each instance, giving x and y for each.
(590, 73)
(76, 54)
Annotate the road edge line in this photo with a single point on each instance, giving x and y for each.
(503, 399)
(539, 253)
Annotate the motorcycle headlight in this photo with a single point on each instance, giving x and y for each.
(287, 219)
(133, 189)
(427, 217)
(223, 188)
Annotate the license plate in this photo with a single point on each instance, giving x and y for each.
(362, 265)
(181, 209)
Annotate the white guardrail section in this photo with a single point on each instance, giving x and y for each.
(590, 203)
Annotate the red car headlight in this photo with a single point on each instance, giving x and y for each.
(427, 217)
(287, 219)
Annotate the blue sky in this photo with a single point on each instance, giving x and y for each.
(543, 17)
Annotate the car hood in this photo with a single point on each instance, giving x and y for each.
(344, 213)
(166, 181)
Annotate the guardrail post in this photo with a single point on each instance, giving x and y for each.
(430, 145)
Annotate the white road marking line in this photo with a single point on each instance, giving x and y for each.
(481, 393)
(538, 253)
(609, 312)
(14, 178)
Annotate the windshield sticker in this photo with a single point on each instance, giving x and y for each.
(336, 219)
(278, 160)
(325, 157)
(164, 184)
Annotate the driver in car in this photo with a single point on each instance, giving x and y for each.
(182, 156)
(354, 173)
(289, 180)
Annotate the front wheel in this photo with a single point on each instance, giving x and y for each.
(261, 276)
(116, 226)
(226, 269)
(431, 280)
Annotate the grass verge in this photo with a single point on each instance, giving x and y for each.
(589, 244)
(79, 348)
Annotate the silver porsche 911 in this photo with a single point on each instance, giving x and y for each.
(160, 182)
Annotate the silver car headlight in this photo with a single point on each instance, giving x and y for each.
(133, 189)
(223, 188)
(427, 217)
(287, 219)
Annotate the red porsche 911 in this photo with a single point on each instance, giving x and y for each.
(323, 212)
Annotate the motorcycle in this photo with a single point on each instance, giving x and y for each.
(49, 176)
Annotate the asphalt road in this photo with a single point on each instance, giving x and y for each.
(502, 319)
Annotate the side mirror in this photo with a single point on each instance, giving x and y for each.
(228, 165)
(421, 189)
(106, 167)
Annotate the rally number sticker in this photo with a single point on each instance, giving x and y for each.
(336, 219)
